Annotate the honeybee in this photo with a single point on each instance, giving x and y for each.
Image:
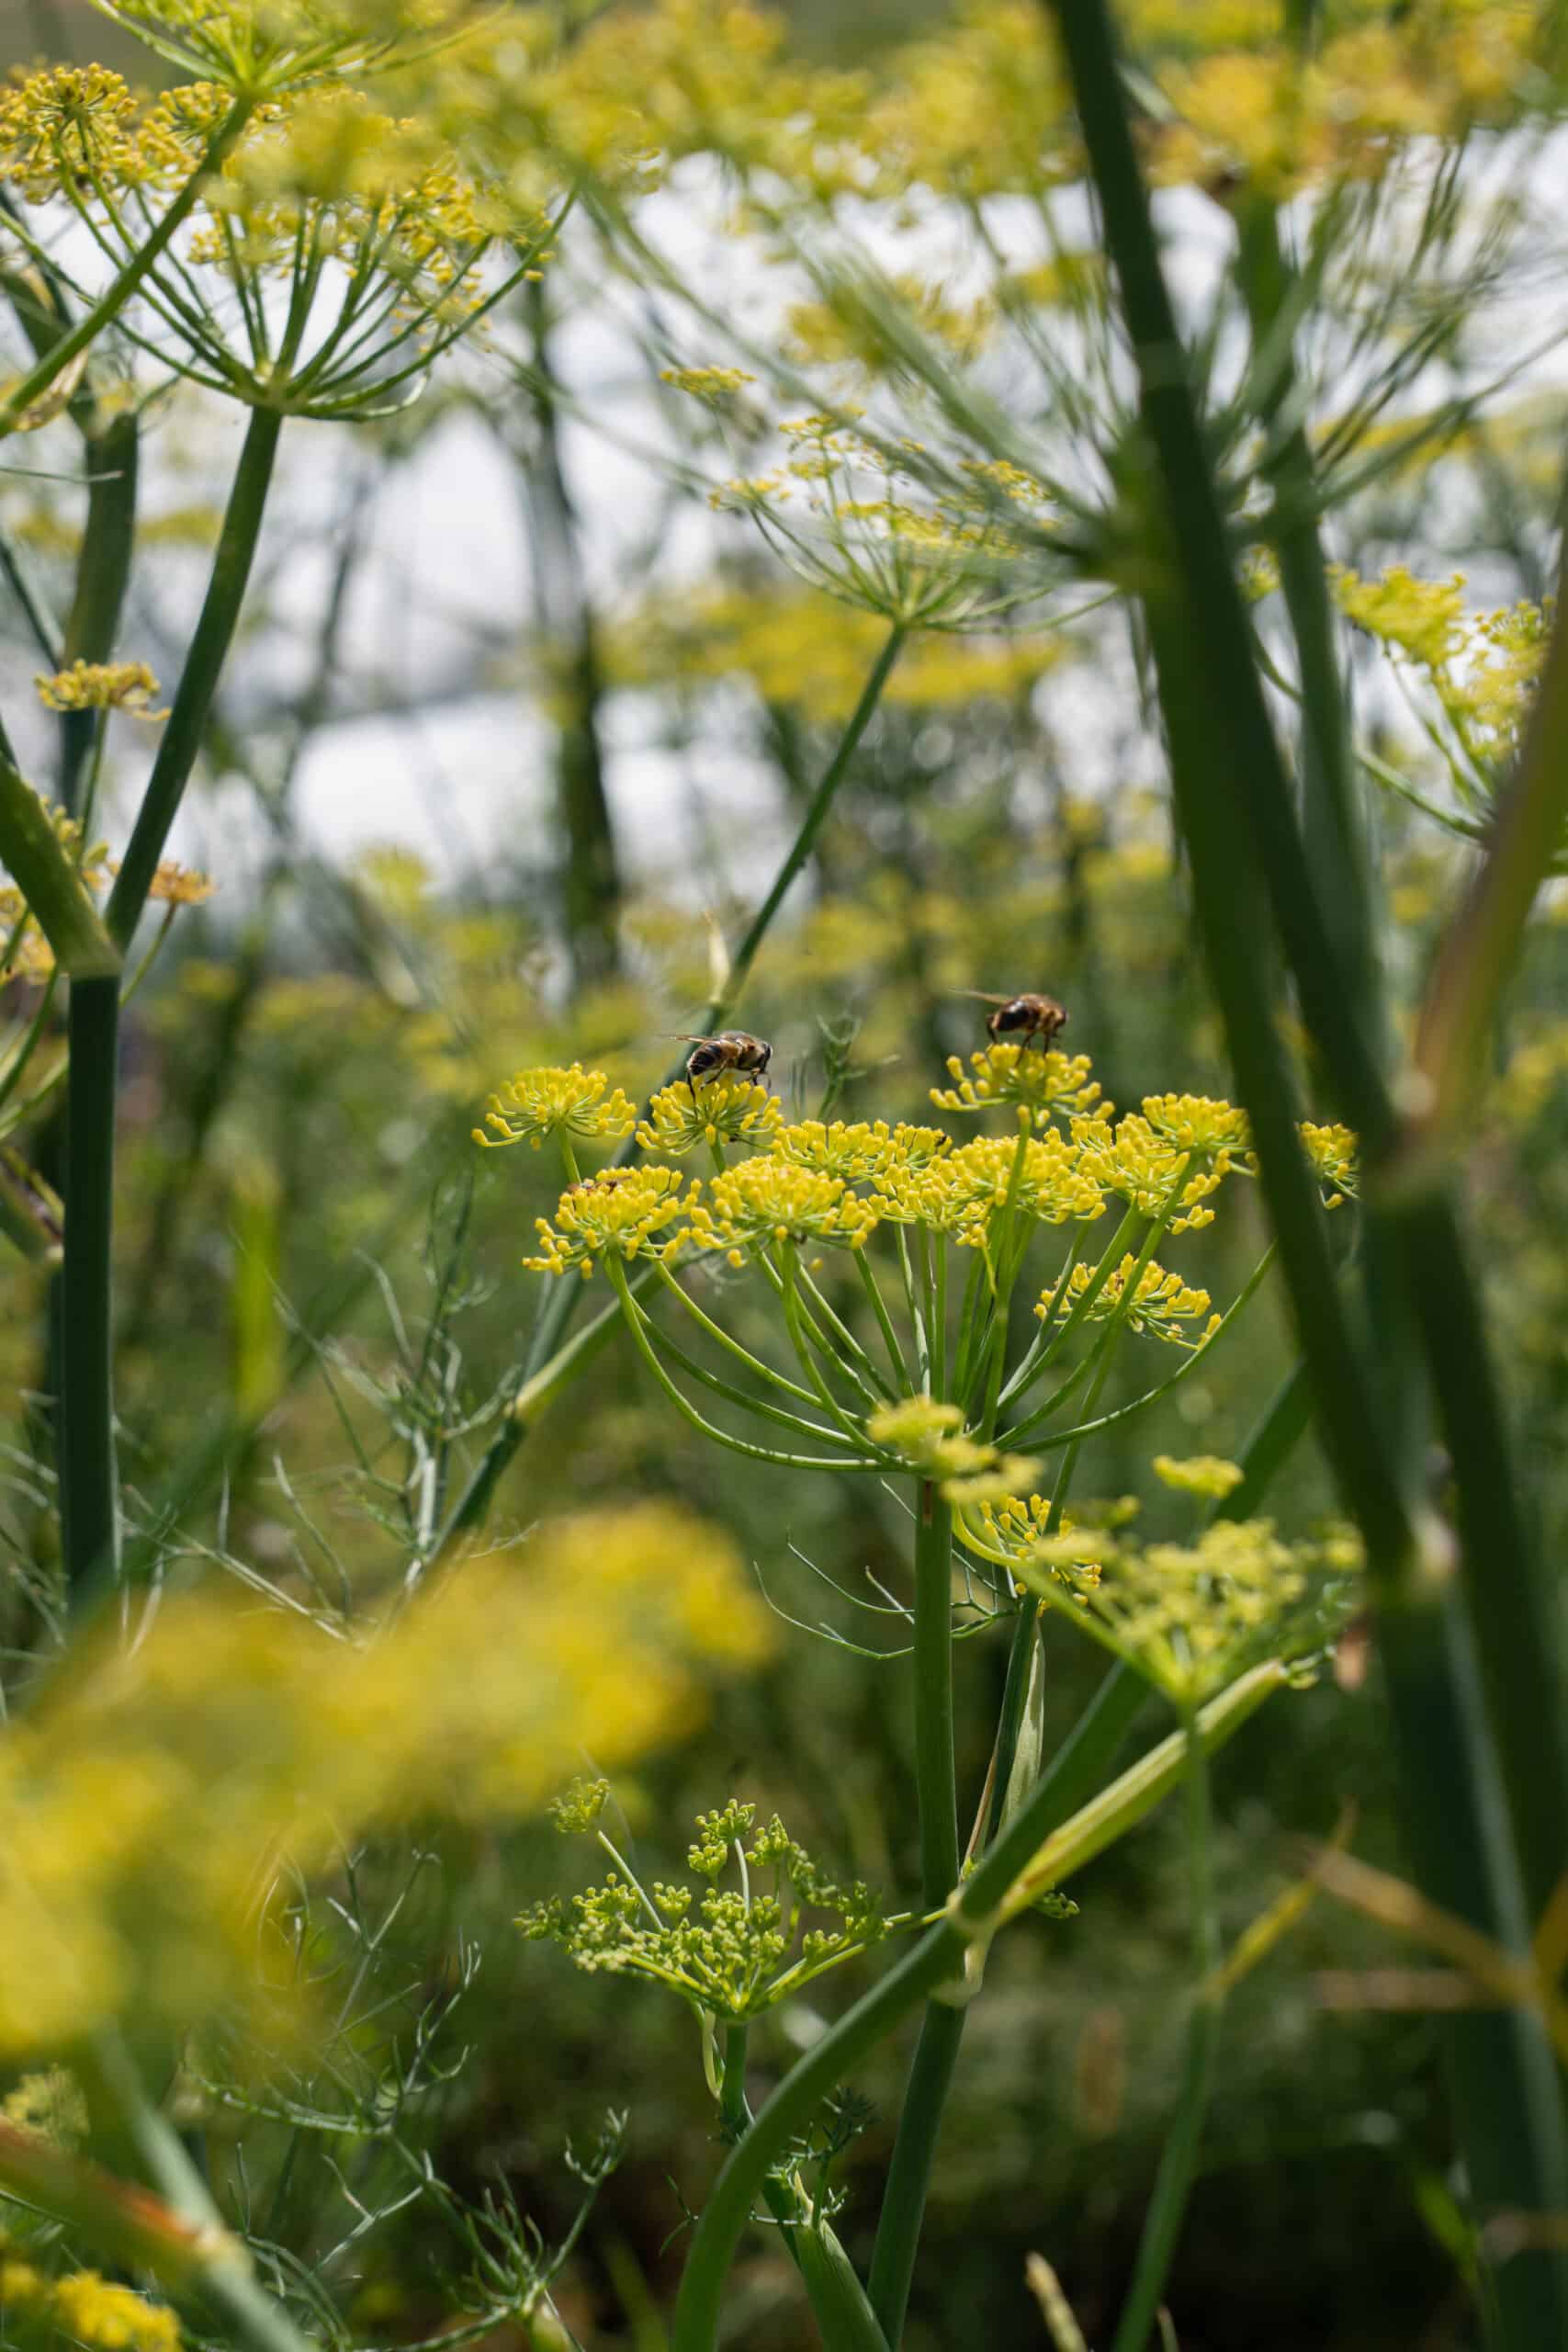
(733, 1049)
(1039, 1018)
(605, 1181)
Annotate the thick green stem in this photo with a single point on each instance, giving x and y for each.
(935, 1780)
(89, 1500)
(1248, 870)
(1332, 834)
(103, 574)
(188, 713)
(908, 2176)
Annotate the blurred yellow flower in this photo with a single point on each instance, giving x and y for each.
(151, 1799)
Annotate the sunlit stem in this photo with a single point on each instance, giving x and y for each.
(1117, 1321)
(841, 1352)
(762, 1407)
(873, 1289)
(969, 1323)
(640, 1327)
(1058, 1334)
(930, 2074)
(789, 1268)
(1033, 1357)
(935, 1248)
(917, 1316)
(728, 1343)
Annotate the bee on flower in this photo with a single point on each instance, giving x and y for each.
(730, 1108)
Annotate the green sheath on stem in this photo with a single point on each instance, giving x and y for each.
(57, 897)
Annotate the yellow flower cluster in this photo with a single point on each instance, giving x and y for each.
(721, 1108)
(715, 386)
(959, 1192)
(84, 2308)
(330, 166)
(1162, 1303)
(834, 1181)
(67, 122)
(1049, 1084)
(1207, 1475)
(151, 1800)
(377, 224)
(767, 1200)
(1282, 121)
(173, 885)
(859, 1153)
(1482, 666)
(101, 685)
(629, 91)
(1177, 1154)
(977, 109)
(1188, 1616)
(1423, 618)
(927, 1437)
(541, 1102)
(626, 1211)
(874, 534)
(52, 2104)
(1331, 1155)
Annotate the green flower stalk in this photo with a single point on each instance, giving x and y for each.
(896, 1200)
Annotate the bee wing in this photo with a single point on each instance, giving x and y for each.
(981, 996)
(686, 1038)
